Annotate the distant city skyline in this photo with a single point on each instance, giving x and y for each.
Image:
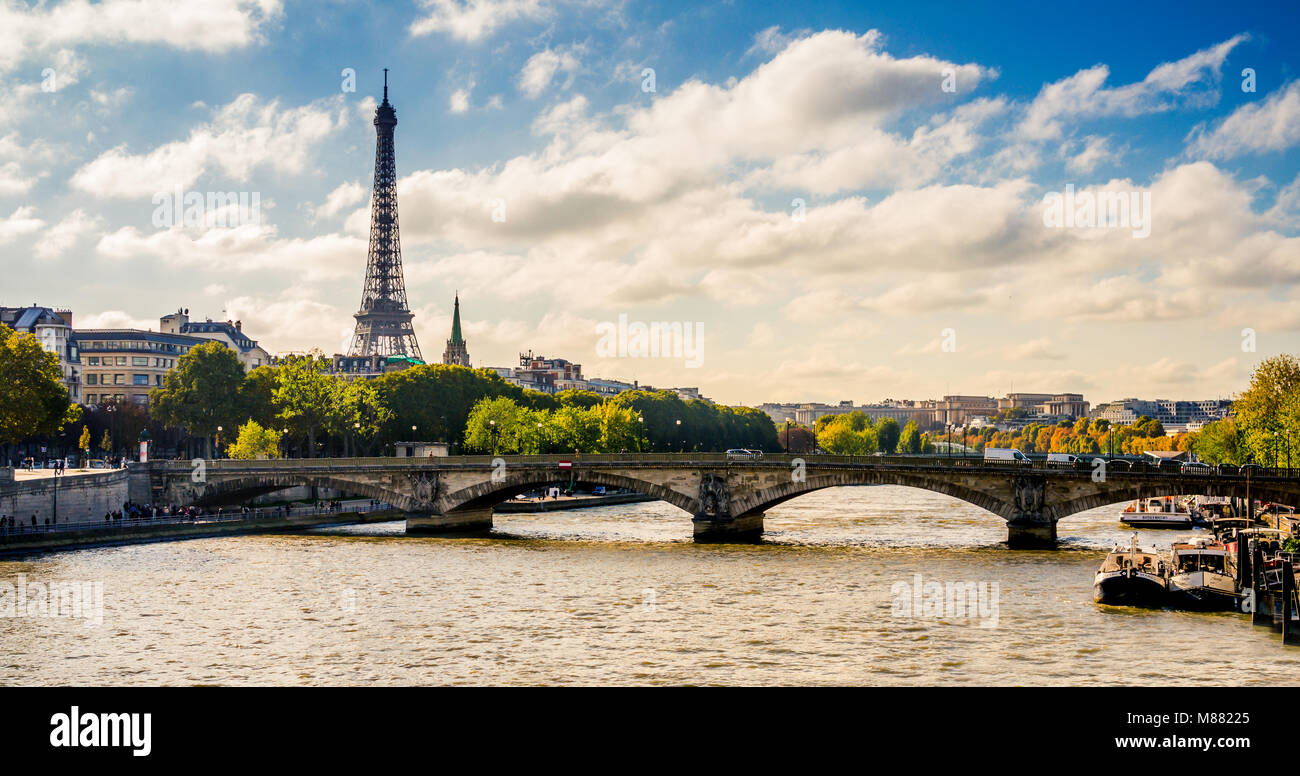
(850, 202)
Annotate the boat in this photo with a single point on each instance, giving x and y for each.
(1208, 509)
(1131, 576)
(1201, 576)
(1156, 512)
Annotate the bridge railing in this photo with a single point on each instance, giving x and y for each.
(1114, 466)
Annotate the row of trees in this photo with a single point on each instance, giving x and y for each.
(1265, 418)
(634, 421)
(33, 400)
(855, 433)
(299, 404)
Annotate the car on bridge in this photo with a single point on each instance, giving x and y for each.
(737, 454)
(1062, 459)
(1227, 469)
(1196, 467)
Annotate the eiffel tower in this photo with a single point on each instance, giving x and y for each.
(384, 320)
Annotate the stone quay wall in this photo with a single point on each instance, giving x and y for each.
(74, 498)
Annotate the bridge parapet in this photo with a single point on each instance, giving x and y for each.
(725, 497)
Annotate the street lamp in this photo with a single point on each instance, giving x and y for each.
(640, 439)
(492, 426)
(218, 450)
(538, 444)
(681, 447)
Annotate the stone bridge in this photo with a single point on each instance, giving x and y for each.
(726, 499)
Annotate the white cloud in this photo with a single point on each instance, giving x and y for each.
(64, 235)
(244, 134)
(22, 221)
(114, 319)
(541, 68)
(245, 249)
(212, 25)
(344, 196)
(473, 20)
(291, 322)
(459, 101)
(1254, 128)
(1095, 151)
(1192, 80)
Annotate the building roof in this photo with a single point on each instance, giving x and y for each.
(24, 318)
(86, 335)
(241, 340)
(1167, 455)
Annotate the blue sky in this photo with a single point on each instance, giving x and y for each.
(920, 264)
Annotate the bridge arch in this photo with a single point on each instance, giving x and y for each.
(488, 494)
(1117, 491)
(762, 500)
(219, 489)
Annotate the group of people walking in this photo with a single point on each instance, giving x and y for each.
(133, 512)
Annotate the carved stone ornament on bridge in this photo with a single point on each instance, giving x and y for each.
(424, 486)
(715, 498)
(1030, 493)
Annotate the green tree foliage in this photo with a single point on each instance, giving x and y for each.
(497, 426)
(1268, 412)
(571, 428)
(257, 396)
(619, 428)
(255, 442)
(437, 399)
(581, 399)
(33, 399)
(849, 434)
(909, 442)
(83, 442)
(305, 395)
(201, 392)
(887, 435)
(357, 415)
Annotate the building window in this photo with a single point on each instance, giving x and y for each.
(119, 379)
(139, 379)
(93, 361)
(121, 360)
(139, 361)
(90, 379)
(90, 398)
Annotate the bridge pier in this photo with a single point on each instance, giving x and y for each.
(1031, 533)
(745, 529)
(458, 521)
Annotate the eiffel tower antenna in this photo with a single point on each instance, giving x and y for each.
(384, 320)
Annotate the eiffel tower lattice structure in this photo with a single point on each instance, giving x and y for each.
(384, 320)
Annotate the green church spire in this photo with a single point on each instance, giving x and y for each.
(456, 353)
(456, 339)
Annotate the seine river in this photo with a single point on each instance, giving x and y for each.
(620, 595)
